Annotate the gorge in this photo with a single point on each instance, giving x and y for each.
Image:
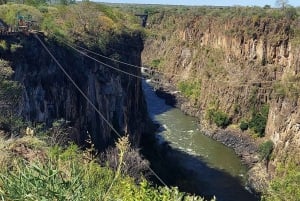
(235, 69)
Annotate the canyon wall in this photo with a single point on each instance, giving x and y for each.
(49, 95)
(240, 61)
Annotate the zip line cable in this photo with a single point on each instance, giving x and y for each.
(89, 101)
(140, 67)
(76, 86)
(90, 51)
(240, 84)
(116, 69)
(115, 60)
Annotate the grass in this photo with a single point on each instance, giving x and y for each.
(32, 170)
(190, 89)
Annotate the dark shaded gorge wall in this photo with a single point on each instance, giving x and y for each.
(48, 94)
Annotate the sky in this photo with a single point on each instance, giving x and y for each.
(205, 2)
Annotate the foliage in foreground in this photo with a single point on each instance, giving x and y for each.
(69, 174)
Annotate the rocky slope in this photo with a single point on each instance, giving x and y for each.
(48, 95)
(234, 61)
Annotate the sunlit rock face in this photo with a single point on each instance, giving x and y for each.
(241, 63)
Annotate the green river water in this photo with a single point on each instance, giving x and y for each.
(219, 170)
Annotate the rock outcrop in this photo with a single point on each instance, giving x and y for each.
(49, 95)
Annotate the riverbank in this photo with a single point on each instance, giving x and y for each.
(184, 157)
(245, 146)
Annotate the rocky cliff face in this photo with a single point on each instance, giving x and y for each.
(48, 95)
(240, 63)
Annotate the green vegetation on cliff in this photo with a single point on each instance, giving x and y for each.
(285, 186)
(265, 150)
(191, 89)
(259, 120)
(220, 118)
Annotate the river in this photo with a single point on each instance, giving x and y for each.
(216, 170)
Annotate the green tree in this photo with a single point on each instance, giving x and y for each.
(220, 118)
(259, 120)
(3, 2)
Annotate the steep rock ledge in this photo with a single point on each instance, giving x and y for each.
(48, 95)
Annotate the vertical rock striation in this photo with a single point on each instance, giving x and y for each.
(242, 62)
(49, 95)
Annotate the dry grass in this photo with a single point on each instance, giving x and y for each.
(28, 148)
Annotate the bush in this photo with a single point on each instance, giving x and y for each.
(190, 89)
(221, 119)
(68, 174)
(265, 150)
(134, 165)
(155, 63)
(259, 120)
(218, 117)
(244, 125)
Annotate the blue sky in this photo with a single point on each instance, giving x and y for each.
(205, 2)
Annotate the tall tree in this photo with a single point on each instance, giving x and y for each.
(282, 3)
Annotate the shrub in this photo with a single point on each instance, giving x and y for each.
(265, 150)
(220, 118)
(155, 63)
(66, 174)
(259, 120)
(244, 125)
(3, 46)
(133, 165)
(190, 89)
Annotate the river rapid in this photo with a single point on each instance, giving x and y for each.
(212, 168)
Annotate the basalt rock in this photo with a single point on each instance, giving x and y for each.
(242, 62)
(49, 95)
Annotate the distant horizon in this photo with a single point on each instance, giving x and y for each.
(272, 3)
